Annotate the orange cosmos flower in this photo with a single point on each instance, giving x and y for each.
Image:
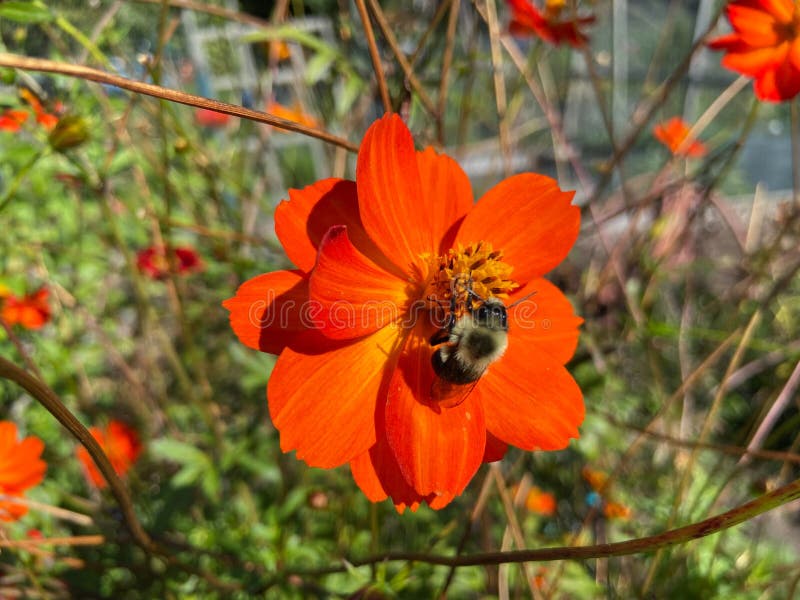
(152, 261)
(21, 468)
(295, 114)
(31, 311)
(765, 45)
(541, 503)
(385, 266)
(121, 445)
(12, 120)
(528, 20)
(672, 134)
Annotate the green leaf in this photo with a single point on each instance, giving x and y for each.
(187, 476)
(349, 94)
(25, 12)
(318, 67)
(178, 452)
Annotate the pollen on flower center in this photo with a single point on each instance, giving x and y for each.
(553, 8)
(465, 276)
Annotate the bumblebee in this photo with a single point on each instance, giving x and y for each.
(466, 348)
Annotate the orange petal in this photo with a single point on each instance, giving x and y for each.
(756, 61)
(755, 27)
(446, 195)
(28, 468)
(389, 194)
(272, 310)
(495, 449)
(11, 511)
(377, 474)
(530, 400)
(8, 437)
(438, 449)
(303, 220)
(355, 297)
(324, 404)
(782, 10)
(527, 217)
(730, 41)
(545, 321)
(779, 84)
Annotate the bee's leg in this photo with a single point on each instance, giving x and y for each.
(440, 337)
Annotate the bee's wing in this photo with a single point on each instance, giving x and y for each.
(450, 394)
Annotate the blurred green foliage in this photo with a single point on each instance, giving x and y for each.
(242, 519)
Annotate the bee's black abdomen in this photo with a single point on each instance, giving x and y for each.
(451, 369)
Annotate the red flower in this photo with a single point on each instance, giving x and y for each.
(45, 119)
(12, 120)
(385, 264)
(31, 311)
(528, 20)
(121, 445)
(21, 468)
(211, 118)
(152, 261)
(765, 45)
(539, 502)
(672, 134)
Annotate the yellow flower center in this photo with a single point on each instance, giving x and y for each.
(465, 276)
(553, 8)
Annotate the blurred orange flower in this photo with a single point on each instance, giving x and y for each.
(528, 20)
(596, 479)
(279, 50)
(121, 445)
(21, 468)
(45, 119)
(615, 510)
(12, 120)
(31, 311)
(380, 261)
(765, 45)
(540, 578)
(539, 502)
(672, 134)
(295, 114)
(152, 261)
(211, 118)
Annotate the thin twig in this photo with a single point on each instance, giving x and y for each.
(672, 537)
(47, 398)
(76, 540)
(773, 455)
(55, 511)
(447, 62)
(708, 422)
(499, 84)
(513, 523)
(377, 66)
(394, 46)
(50, 66)
(766, 425)
(440, 10)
